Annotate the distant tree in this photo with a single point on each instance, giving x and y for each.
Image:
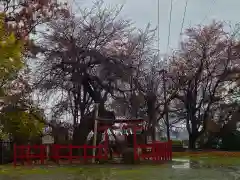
(208, 56)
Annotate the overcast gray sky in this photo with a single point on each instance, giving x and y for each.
(143, 12)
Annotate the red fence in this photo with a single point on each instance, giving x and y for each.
(24, 153)
(156, 151)
(30, 153)
(159, 151)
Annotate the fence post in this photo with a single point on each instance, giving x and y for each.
(70, 153)
(106, 145)
(157, 151)
(100, 150)
(14, 155)
(154, 153)
(57, 147)
(53, 152)
(165, 151)
(135, 146)
(28, 147)
(170, 149)
(167, 147)
(161, 151)
(42, 147)
(85, 153)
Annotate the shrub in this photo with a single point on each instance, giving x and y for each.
(177, 143)
(231, 142)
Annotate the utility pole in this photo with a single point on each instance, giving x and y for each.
(165, 103)
(95, 130)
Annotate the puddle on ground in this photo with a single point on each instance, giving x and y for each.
(188, 164)
(191, 164)
(181, 164)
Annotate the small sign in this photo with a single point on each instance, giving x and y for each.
(47, 130)
(47, 139)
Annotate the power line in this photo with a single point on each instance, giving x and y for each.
(164, 78)
(183, 21)
(184, 15)
(158, 28)
(169, 25)
(210, 9)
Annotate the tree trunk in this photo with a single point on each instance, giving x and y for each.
(192, 141)
(168, 131)
(151, 101)
(87, 125)
(153, 133)
(81, 132)
(99, 138)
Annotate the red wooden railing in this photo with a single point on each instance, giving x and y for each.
(25, 153)
(100, 155)
(28, 153)
(158, 151)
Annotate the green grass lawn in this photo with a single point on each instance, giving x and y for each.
(209, 168)
(118, 173)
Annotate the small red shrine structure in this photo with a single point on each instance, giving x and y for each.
(157, 151)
